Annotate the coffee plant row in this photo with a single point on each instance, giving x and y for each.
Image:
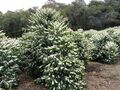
(53, 54)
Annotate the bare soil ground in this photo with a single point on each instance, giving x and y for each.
(27, 83)
(99, 77)
(103, 77)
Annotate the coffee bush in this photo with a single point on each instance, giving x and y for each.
(110, 52)
(8, 62)
(52, 54)
(115, 35)
(105, 49)
(84, 46)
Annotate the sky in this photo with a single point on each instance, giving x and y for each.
(13, 5)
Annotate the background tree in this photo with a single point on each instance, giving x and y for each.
(1, 19)
(96, 15)
(13, 22)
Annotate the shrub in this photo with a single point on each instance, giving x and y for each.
(2, 35)
(84, 46)
(8, 63)
(115, 34)
(102, 51)
(110, 52)
(51, 54)
(25, 53)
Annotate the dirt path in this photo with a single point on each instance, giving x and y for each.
(103, 77)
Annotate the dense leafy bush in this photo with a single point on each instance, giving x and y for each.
(110, 52)
(105, 49)
(8, 62)
(51, 53)
(115, 34)
(90, 33)
(54, 54)
(84, 46)
(25, 55)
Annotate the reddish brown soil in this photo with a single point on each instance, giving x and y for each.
(103, 77)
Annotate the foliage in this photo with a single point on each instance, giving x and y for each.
(13, 22)
(104, 49)
(25, 55)
(115, 34)
(52, 54)
(2, 35)
(8, 63)
(50, 51)
(110, 52)
(84, 45)
(96, 15)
